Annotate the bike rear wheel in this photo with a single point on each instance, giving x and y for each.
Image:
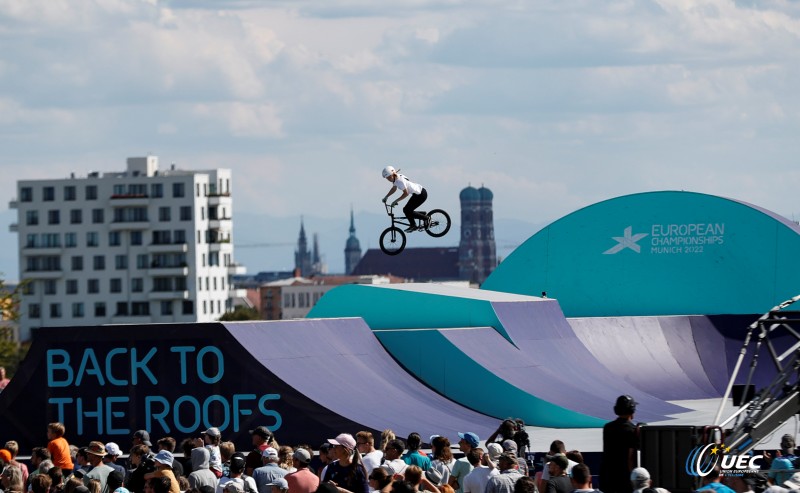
(439, 223)
(393, 240)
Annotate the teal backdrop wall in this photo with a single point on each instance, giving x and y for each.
(659, 253)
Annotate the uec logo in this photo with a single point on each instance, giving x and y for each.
(703, 459)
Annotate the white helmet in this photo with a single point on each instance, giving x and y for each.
(388, 171)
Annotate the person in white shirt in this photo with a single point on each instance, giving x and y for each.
(415, 190)
(365, 444)
(476, 480)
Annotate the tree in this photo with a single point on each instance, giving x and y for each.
(11, 352)
(241, 313)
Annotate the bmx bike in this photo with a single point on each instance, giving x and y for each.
(393, 239)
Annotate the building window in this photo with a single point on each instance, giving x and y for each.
(91, 192)
(71, 240)
(186, 213)
(75, 216)
(26, 194)
(122, 308)
(164, 214)
(99, 262)
(55, 310)
(51, 240)
(77, 310)
(205, 307)
(137, 190)
(118, 189)
(97, 216)
(116, 285)
(114, 238)
(49, 194)
(140, 308)
(166, 308)
(188, 307)
(53, 216)
(34, 310)
(178, 190)
(77, 263)
(50, 286)
(121, 262)
(99, 309)
(31, 218)
(92, 239)
(137, 285)
(136, 237)
(157, 190)
(179, 236)
(72, 286)
(93, 286)
(69, 193)
(141, 261)
(162, 237)
(28, 287)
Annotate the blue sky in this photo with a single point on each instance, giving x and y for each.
(554, 105)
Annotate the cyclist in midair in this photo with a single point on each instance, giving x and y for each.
(417, 192)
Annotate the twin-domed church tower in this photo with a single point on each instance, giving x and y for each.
(477, 250)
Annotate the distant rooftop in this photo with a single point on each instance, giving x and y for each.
(418, 264)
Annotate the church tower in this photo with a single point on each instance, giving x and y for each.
(477, 251)
(302, 256)
(352, 248)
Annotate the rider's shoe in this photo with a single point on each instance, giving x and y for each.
(427, 222)
(410, 229)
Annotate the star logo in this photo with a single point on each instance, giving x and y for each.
(628, 240)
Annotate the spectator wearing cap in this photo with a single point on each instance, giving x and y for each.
(113, 452)
(346, 472)
(508, 475)
(556, 447)
(58, 447)
(784, 460)
(476, 480)
(365, 444)
(201, 475)
(269, 472)
(13, 448)
(620, 443)
(211, 439)
(511, 446)
(394, 464)
(559, 482)
(413, 457)
(261, 437)
(302, 480)
(640, 479)
(100, 471)
(467, 441)
(279, 485)
(142, 437)
(163, 461)
(168, 444)
(236, 468)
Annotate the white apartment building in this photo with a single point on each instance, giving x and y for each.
(140, 246)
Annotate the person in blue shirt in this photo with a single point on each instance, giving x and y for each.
(413, 457)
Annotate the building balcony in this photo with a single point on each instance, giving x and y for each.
(168, 271)
(237, 269)
(13, 228)
(131, 319)
(129, 226)
(168, 295)
(43, 274)
(13, 204)
(220, 223)
(42, 250)
(219, 199)
(168, 248)
(226, 247)
(128, 200)
(237, 293)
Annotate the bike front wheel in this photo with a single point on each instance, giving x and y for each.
(439, 223)
(393, 240)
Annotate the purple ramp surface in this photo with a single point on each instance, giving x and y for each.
(656, 354)
(710, 344)
(341, 365)
(540, 329)
(492, 351)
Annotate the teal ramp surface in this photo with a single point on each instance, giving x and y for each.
(658, 253)
(557, 379)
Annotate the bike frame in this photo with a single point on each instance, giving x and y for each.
(396, 221)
